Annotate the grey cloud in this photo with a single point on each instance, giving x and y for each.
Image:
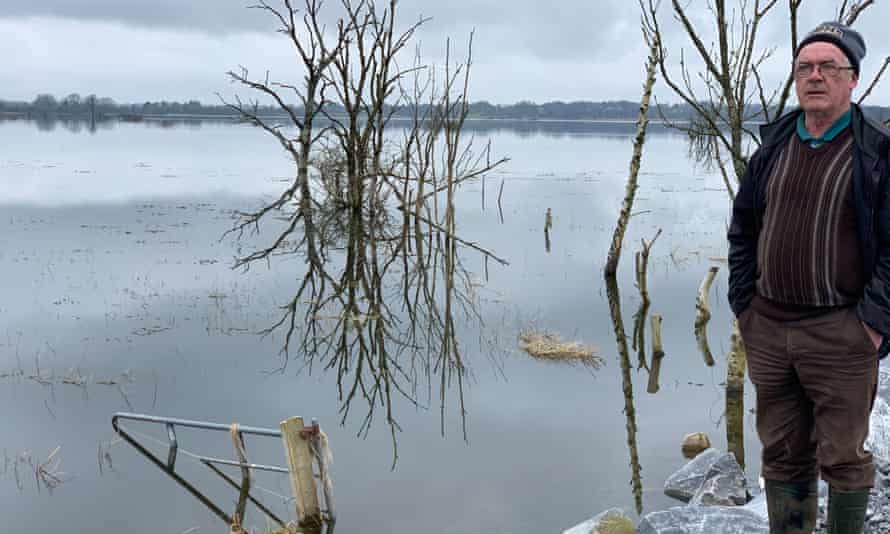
(568, 28)
(565, 29)
(523, 49)
(197, 15)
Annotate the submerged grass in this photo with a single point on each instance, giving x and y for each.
(549, 347)
(287, 530)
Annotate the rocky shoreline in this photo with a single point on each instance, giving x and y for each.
(720, 500)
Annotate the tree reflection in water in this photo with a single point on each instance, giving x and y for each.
(370, 209)
(379, 303)
(383, 283)
(630, 413)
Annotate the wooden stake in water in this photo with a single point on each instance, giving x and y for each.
(657, 354)
(548, 224)
(299, 462)
(500, 194)
(704, 315)
(735, 396)
(641, 267)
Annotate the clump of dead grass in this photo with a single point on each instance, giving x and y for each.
(549, 347)
(615, 525)
(291, 528)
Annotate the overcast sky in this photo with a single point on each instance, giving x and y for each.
(138, 50)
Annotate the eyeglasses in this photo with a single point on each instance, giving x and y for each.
(828, 69)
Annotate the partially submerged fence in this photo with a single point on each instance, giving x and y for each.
(305, 447)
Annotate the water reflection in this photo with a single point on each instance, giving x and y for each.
(381, 303)
(558, 129)
(548, 224)
(207, 371)
(657, 355)
(49, 122)
(704, 316)
(641, 264)
(735, 396)
(630, 413)
(734, 385)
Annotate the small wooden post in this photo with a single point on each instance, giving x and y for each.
(548, 224)
(704, 315)
(736, 362)
(657, 354)
(299, 462)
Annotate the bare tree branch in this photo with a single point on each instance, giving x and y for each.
(874, 81)
(376, 202)
(856, 9)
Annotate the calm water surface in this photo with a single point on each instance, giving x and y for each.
(113, 264)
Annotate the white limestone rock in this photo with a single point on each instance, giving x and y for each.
(703, 520)
(684, 483)
(878, 441)
(757, 505)
(724, 484)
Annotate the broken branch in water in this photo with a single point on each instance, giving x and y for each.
(48, 474)
(548, 224)
(103, 455)
(657, 355)
(704, 315)
(450, 235)
(639, 333)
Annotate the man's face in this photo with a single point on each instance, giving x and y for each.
(821, 92)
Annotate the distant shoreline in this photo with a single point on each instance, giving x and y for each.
(129, 117)
(614, 112)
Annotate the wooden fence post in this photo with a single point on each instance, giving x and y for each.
(657, 354)
(299, 462)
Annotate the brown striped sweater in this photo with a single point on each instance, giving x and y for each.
(808, 250)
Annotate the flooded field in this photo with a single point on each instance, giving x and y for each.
(118, 294)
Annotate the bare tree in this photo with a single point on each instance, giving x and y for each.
(610, 273)
(630, 189)
(306, 35)
(729, 93)
(383, 280)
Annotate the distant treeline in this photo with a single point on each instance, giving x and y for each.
(91, 106)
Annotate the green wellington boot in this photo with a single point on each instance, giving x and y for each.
(792, 506)
(846, 511)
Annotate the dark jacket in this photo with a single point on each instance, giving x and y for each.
(871, 172)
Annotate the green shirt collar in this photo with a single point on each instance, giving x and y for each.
(829, 134)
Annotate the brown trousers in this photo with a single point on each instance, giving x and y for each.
(815, 381)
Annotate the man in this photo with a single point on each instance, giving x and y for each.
(809, 262)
